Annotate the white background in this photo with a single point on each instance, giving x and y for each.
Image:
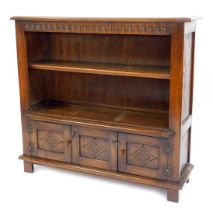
(50, 188)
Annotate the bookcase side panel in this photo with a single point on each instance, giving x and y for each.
(175, 102)
(188, 74)
(23, 82)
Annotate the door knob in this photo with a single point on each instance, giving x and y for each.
(69, 142)
(122, 152)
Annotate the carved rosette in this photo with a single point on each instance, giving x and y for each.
(110, 28)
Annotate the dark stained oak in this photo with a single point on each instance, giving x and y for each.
(108, 96)
(78, 19)
(100, 90)
(142, 155)
(173, 195)
(51, 141)
(28, 167)
(95, 113)
(116, 118)
(110, 174)
(104, 68)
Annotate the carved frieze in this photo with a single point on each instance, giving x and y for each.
(111, 28)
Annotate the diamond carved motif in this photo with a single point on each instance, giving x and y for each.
(94, 148)
(143, 156)
(49, 142)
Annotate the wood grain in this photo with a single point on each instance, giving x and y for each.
(104, 68)
(101, 114)
(77, 19)
(173, 195)
(143, 93)
(108, 96)
(28, 167)
(51, 141)
(143, 155)
(122, 176)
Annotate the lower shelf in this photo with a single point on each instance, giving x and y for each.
(117, 175)
(155, 123)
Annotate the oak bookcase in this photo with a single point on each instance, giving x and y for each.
(108, 96)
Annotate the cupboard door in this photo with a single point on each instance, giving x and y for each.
(52, 141)
(142, 155)
(94, 147)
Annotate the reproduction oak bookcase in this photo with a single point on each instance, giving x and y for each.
(108, 96)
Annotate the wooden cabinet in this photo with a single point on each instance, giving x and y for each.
(100, 148)
(110, 97)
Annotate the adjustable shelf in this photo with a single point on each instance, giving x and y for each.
(157, 72)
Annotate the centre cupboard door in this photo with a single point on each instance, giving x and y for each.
(94, 147)
(142, 155)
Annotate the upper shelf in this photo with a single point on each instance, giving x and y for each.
(157, 72)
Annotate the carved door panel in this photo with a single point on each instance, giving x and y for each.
(94, 147)
(52, 141)
(142, 155)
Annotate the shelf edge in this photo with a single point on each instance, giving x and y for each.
(106, 71)
(108, 19)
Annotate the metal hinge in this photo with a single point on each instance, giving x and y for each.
(169, 149)
(29, 127)
(168, 171)
(30, 147)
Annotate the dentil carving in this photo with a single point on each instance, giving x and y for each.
(120, 28)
